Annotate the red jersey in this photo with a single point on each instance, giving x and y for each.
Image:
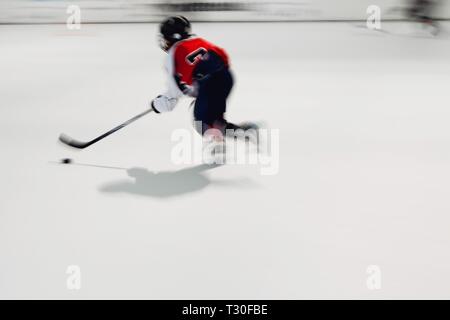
(187, 53)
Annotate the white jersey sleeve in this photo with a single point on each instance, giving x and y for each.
(169, 99)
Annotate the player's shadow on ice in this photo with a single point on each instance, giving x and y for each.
(167, 184)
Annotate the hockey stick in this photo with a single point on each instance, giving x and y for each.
(81, 145)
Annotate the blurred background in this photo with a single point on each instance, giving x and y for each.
(53, 11)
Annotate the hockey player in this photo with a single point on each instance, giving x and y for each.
(199, 69)
(422, 11)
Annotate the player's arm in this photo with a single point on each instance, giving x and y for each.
(168, 100)
(180, 65)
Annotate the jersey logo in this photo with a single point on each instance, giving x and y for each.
(196, 55)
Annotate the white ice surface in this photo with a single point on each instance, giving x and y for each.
(364, 167)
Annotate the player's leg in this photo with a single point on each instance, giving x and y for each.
(209, 109)
(210, 105)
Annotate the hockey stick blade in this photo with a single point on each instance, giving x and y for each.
(64, 138)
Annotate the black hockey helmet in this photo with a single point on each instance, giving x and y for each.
(173, 29)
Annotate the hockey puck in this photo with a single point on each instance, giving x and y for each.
(66, 160)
